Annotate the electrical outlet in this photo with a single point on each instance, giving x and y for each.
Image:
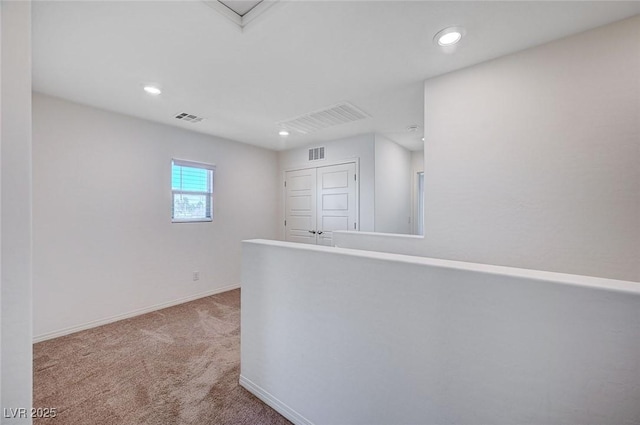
(196, 276)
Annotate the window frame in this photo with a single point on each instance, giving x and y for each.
(211, 171)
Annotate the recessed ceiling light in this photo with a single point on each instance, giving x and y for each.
(283, 133)
(152, 90)
(449, 36)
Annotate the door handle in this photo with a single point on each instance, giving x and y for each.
(320, 232)
(313, 232)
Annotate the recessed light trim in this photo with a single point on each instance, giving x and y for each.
(283, 133)
(449, 36)
(152, 90)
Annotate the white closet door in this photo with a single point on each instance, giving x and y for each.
(300, 206)
(336, 200)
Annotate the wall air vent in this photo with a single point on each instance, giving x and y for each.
(183, 116)
(316, 154)
(341, 113)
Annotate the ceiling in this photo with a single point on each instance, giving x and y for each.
(296, 57)
(241, 7)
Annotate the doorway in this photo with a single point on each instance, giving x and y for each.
(319, 201)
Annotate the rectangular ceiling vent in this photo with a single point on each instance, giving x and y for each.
(341, 113)
(316, 154)
(183, 116)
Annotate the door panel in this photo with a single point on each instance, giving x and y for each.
(330, 224)
(337, 203)
(305, 180)
(335, 179)
(300, 206)
(300, 203)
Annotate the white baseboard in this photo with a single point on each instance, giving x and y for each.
(272, 401)
(100, 322)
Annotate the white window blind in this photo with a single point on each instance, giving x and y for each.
(192, 191)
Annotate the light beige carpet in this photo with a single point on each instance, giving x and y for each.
(179, 365)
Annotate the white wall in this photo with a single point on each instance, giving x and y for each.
(392, 187)
(104, 244)
(15, 190)
(417, 161)
(390, 339)
(361, 147)
(417, 166)
(539, 164)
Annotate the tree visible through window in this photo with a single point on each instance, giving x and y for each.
(192, 191)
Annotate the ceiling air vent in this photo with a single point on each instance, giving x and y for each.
(316, 154)
(183, 116)
(341, 113)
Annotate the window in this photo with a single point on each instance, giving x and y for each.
(192, 191)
